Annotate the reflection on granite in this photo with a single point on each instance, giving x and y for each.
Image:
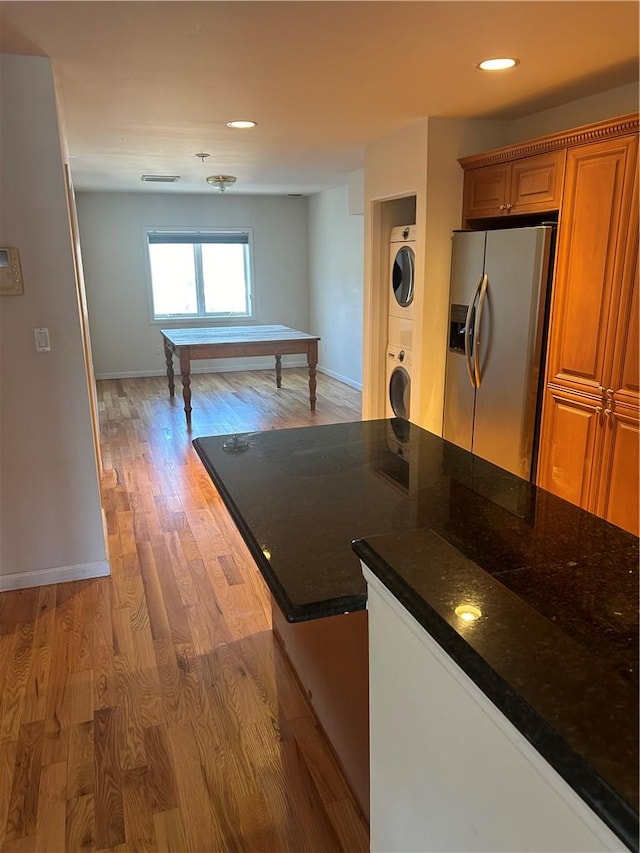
(594, 600)
(304, 494)
(557, 646)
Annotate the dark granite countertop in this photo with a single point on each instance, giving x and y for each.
(557, 646)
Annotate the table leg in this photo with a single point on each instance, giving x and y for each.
(185, 370)
(168, 357)
(312, 359)
(279, 371)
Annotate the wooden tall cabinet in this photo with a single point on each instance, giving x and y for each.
(590, 423)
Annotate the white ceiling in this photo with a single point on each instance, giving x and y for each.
(143, 86)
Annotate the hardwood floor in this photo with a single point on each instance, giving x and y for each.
(153, 710)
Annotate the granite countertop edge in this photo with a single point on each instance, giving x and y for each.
(604, 800)
(292, 613)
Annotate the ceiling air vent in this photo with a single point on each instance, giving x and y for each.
(160, 179)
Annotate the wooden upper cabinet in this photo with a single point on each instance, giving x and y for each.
(594, 228)
(529, 185)
(536, 183)
(485, 191)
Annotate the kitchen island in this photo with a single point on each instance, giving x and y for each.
(559, 662)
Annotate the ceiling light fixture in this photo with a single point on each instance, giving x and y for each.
(221, 181)
(202, 155)
(497, 64)
(242, 124)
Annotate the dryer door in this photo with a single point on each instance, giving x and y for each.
(400, 392)
(402, 276)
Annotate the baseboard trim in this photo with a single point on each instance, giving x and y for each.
(231, 368)
(220, 368)
(59, 574)
(344, 379)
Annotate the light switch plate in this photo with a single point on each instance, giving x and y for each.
(43, 343)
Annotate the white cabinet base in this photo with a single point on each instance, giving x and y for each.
(449, 772)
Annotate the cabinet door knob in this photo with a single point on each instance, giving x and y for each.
(598, 410)
(503, 207)
(509, 206)
(607, 412)
(609, 392)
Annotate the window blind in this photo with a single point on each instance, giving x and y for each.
(191, 237)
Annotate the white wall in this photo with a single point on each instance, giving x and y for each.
(125, 342)
(394, 188)
(51, 520)
(336, 251)
(604, 105)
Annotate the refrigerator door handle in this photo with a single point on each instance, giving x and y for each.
(476, 331)
(469, 331)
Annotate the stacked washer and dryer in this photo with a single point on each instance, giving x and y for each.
(400, 324)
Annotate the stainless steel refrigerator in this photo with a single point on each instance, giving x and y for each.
(496, 329)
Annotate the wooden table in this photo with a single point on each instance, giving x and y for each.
(236, 341)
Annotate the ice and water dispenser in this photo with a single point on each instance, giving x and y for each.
(457, 327)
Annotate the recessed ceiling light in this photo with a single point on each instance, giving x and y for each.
(242, 123)
(497, 64)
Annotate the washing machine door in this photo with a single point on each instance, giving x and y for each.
(402, 276)
(400, 392)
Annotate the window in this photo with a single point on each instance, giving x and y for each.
(197, 274)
